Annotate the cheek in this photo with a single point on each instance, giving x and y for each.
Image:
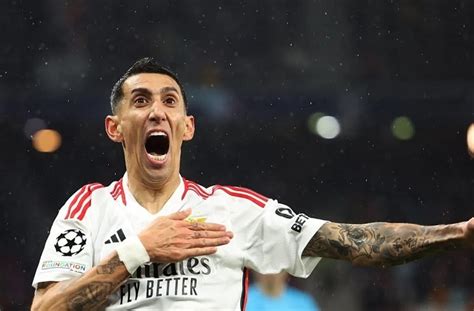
(131, 132)
(183, 125)
(180, 123)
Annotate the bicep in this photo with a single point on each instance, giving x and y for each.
(280, 233)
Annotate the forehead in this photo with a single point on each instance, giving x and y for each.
(151, 81)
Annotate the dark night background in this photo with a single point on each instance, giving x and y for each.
(255, 72)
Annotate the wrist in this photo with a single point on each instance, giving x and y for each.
(132, 253)
(452, 236)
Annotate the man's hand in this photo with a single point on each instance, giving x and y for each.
(172, 238)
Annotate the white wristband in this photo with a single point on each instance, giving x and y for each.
(132, 253)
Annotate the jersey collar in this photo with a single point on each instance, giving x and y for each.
(174, 203)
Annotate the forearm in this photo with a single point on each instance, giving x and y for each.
(88, 292)
(382, 244)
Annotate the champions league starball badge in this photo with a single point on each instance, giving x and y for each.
(71, 242)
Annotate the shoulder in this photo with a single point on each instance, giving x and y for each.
(91, 195)
(229, 193)
(78, 204)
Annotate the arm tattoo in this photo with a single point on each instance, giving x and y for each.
(110, 266)
(381, 243)
(94, 295)
(90, 296)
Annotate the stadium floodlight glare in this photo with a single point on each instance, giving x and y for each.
(328, 127)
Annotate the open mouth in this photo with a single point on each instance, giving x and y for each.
(157, 145)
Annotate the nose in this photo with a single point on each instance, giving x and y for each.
(157, 114)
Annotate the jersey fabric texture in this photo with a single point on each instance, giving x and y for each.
(268, 238)
(290, 299)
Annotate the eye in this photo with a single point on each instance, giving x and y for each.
(140, 101)
(170, 100)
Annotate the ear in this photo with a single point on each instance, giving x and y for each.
(113, 129)
(189, 130)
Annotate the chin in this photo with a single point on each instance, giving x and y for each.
(159, 175)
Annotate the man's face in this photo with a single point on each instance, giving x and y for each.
(151, 123)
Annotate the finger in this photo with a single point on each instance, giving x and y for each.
(181, 215)
(206, 226)
(211, 234)
(206, 242)
(201, 251)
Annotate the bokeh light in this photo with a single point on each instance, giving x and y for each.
(470, 139)
(46, 140)
(313, 121)
(328, 127)
(402, 128)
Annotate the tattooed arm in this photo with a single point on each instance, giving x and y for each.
(167, 239)
(386, 244)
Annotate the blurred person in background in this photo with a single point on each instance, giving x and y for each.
(152, 239)
(273, 292)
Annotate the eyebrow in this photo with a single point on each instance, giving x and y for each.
(166, 89)
(169, 89)
(141, 90)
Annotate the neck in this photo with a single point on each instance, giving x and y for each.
(152, 196)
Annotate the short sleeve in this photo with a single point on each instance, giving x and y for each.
(277, 238)
(67, 252)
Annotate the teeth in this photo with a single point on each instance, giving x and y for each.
(160, 133)
(157, 157)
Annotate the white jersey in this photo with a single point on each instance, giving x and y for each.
(268, 238)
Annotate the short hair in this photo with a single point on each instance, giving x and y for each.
(144, 65)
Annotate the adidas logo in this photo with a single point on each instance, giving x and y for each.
(117, 237)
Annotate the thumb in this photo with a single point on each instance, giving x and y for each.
(181, 215)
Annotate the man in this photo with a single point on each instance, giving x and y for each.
(156, 240)
(271, 292)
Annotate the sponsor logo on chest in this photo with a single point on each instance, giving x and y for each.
(166, 280)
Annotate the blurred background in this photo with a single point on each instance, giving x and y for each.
(352, 111)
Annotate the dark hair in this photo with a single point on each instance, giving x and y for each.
(144, 65)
